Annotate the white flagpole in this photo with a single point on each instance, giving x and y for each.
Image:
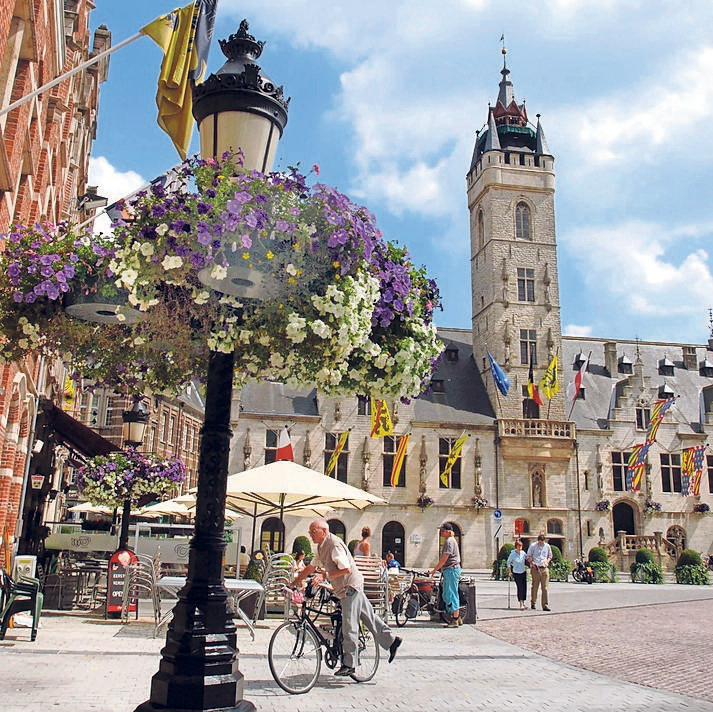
(71, 72)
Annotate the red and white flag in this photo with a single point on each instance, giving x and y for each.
(573, 388)
(284, 446)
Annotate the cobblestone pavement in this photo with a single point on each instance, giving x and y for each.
(84, 664)
(663, 645)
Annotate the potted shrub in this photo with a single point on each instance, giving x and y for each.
(690, 569)
(499, 569)
(646, 569)
(559, 568)
(599, 561)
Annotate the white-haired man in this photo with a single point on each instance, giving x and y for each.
(334, 558)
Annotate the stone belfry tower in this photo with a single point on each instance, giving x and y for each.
(516, 309)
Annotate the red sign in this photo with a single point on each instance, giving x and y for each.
(518, 526)
(118, 568)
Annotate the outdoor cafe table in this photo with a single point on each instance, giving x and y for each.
(237, 588)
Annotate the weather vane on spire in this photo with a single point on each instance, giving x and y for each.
(502, 39)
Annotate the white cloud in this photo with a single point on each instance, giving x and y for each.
(648, 116)
(112, 184)
(576, 330)
(631, 266)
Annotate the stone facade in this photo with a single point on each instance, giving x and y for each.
(556, 468)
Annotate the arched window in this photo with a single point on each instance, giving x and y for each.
(272, 534)
(337, 528)
(481, 230)
(523, 228)
(458, 536)
(394, 541)
(554, 526)
(677, 536)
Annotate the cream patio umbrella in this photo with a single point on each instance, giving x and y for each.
(284, 487)
(183, 506)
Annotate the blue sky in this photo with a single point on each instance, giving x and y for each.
(387, 96)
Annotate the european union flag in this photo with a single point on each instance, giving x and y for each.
(501, 380)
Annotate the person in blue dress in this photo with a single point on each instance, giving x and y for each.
(518, 571)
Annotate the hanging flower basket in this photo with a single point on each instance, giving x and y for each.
(302, 289)
(102, 304)
(479, 502)
(603, 505)
(424, 501)
(701, 508)
(652, 507)
(110, 480)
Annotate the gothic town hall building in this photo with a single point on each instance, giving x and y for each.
(553, 468)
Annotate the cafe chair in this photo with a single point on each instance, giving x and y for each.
(19, 595)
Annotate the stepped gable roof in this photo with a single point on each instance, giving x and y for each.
(463, 398)
(602, 389)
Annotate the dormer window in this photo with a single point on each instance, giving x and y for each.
(706, 369)
(666, 392)
(625, 365)
(666, 367)
(451, 353)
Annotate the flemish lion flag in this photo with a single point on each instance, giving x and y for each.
(175, 33)
(399, 459)
(549, 384)
(452, 457)
(381, 424)
(337, 452)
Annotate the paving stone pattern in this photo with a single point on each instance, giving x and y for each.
(83, 664)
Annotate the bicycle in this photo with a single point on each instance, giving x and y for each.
(295, 650)
(424, 593)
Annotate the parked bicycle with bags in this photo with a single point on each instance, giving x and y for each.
(425, 593)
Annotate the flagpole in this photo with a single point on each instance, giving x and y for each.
(80, 67)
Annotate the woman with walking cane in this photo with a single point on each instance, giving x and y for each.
(518, 571)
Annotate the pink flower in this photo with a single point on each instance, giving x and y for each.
(315, 168)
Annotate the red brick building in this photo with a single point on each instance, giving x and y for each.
(44, 158)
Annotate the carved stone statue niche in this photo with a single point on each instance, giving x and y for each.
(537, 480)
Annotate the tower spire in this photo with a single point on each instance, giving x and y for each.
(506, 95)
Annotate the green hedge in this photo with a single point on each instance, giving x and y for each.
(646, 572)
(604, 572)
(499, 570)
(598, 555)
(645, 556)
(696, 575)
(559, 570)
(689, 557)
(302, 542)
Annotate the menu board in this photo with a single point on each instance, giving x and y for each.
(118, 569)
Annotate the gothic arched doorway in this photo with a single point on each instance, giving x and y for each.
(623, 518)
(392, 540)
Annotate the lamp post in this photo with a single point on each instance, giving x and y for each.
(238, 107)
(133, 430)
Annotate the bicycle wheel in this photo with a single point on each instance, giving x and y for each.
(462, 611)
(368, 655)
(294, 656)
(400, 615)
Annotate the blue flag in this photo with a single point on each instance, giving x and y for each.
(501, 380)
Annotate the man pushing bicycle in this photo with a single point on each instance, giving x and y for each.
(348, 584)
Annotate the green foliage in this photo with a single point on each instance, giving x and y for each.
(505, 550)
(559, 570)
(352, 545)
(646, 572)
(253, 572)
(645, 556)
(499, 570)
(556, 553)
(302, 542)
(598, 554)
(697, 575)
(689, 557)
(604, 571)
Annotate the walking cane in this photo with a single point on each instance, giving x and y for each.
(509, 579)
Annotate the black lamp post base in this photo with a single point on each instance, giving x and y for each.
(199, 663)
(244, 706)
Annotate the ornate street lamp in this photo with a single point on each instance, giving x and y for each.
(133, 430)
(238, 107)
